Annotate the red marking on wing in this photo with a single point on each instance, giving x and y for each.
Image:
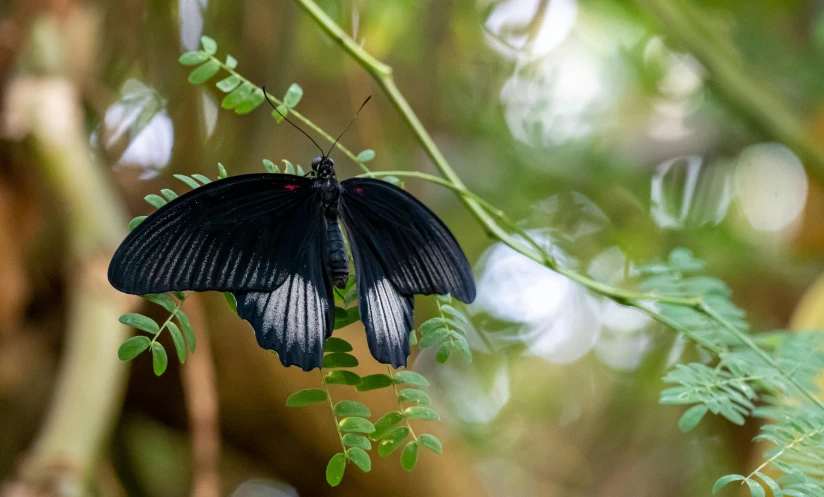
(359, 191)
(291, 188)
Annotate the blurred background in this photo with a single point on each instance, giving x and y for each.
(613, 131)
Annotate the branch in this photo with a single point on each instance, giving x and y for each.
(401, 410)
(90, 382)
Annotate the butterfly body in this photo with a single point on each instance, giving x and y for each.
(338, 260)
(326, 182)
(274, 240)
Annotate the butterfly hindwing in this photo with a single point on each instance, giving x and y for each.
(385, 312)
(239, 233)
(417, 252)
(296, 318)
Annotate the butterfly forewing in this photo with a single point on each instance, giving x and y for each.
(241, 233)
(260, 236)
(416, 251)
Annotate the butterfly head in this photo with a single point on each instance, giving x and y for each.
(324, 167)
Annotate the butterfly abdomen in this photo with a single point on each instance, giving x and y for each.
(338, 260)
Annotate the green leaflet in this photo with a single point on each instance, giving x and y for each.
(356, 424)
(373, 382)
(159, 359)
(335, 469)
(334, 344)
(411, 378)
(360, 458)
(357, 440)
(346, 408)
(431, 443)
(339, 360)
(140, 322)
(133, 347)
(306, 397)
(179, 342)
(386, 424)
(409, 456)
(392, 441)
(204, 72)
(342, 377)
(293, 96)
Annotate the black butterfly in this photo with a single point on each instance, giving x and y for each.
(274, 241)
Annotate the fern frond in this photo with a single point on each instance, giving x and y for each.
(676, 278)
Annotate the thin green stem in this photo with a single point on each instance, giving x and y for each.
(169, 320)
(332, 408)
(446, 323)
(434, 179)
(790, 446)
(651, 312)
(400, 405)
(314, 127)
(373, 65)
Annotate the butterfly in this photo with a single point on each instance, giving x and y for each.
(275, 242)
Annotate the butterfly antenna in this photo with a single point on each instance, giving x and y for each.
(347, 126)
(288, 121)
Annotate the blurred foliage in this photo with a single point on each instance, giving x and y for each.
(592, 120)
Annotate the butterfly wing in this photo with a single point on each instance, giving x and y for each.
(386, 313)
(400, 249)
(261, 236)
(418, 253)
(296, 318)
(245, 232)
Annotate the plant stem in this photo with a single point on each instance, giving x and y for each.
(649, 311)
(785, 448)
(446, 323)
(169, 320)
(434, 179)
(89, 380)
(400, 406)
(382, 74)
(314, 127)
(332, 408)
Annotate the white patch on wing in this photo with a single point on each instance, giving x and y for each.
(386, 311)
(294, 312)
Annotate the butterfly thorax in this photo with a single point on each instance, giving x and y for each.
(329, 195)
